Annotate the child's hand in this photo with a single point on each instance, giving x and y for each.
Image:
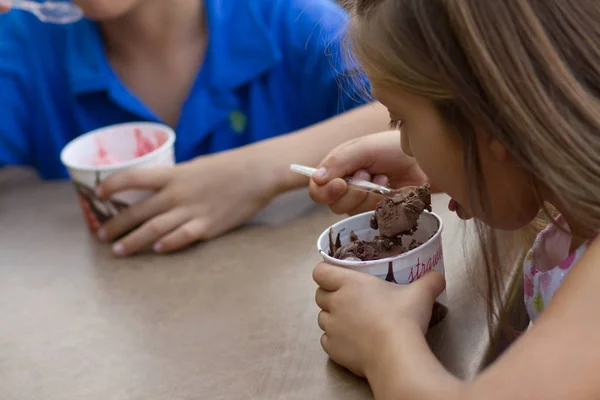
(194, 201)
(364, 317)
(376, 158)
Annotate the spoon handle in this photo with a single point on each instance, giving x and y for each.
(367, 186)
(25, 5)
(48, 11)
(359, 184)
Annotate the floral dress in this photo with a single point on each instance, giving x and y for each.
(547, 264)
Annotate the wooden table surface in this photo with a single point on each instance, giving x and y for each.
(233, 318)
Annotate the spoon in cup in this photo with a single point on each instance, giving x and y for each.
(354, 183)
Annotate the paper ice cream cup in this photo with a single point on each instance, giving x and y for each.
(402, 269)
(96, 155)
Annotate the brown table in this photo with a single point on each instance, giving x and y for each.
(233, 318)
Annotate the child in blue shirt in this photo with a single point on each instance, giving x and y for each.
(225, 74)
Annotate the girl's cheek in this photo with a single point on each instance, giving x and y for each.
(443, 170)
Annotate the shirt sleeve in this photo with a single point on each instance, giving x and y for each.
(315, 46)
(15, 115)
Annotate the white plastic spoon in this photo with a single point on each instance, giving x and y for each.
(359, 184)
(54, 12)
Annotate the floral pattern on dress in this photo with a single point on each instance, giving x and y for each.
(547, 264)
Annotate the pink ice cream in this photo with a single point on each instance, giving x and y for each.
(143, 146)
(102, 156)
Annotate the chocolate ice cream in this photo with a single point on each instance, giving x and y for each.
(395, 216)
(398, 214)
(363, 250)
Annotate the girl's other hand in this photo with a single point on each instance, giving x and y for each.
(365, 319)
(377, 158)
(194, 201)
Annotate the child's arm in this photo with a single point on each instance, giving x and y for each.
(377, 329)
(211, 195)
(310, 145)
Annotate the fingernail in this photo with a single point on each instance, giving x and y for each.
(99, 192)
(158, 248)
(320, 173)
(364, 175)
(102, 234)
(118, 249)
(384, 181)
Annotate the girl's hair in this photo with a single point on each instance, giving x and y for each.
(526, 72)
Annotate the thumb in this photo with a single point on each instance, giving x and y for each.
(343, 161)
(432, 284)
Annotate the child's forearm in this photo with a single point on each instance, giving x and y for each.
(310, 145)
(407, 369)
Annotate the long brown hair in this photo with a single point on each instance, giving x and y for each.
(526, 72)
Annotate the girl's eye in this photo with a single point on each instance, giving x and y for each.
(395, 124)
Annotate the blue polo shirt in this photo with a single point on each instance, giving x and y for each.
(272, 67)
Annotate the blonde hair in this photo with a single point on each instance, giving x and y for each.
(526, 72)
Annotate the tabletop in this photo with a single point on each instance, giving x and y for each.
(232, 318)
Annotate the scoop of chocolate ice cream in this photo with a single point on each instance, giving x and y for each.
(398, 214)
(394, 216)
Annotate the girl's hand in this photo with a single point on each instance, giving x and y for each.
(377, 158)
(194, 201)
(362, 316)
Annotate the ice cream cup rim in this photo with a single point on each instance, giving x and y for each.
(125, 164)
(346, 263)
